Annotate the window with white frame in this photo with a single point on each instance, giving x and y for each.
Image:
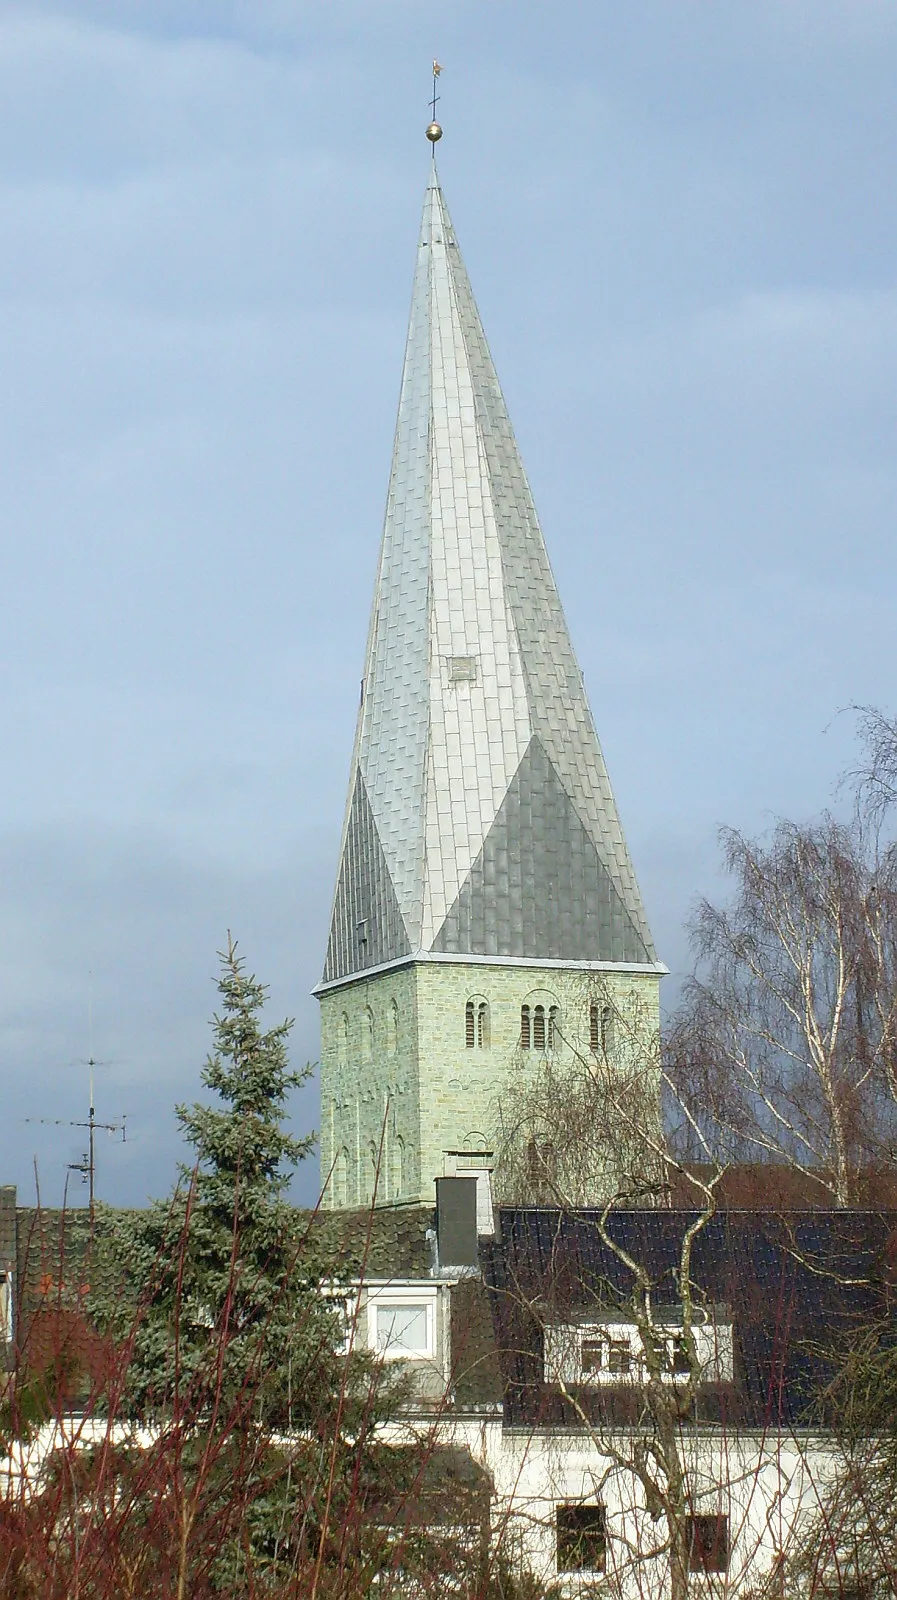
(594, 1354)
(402, 1323)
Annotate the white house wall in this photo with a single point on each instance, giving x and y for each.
(769, 1486)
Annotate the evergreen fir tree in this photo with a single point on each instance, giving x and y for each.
(225, 1309)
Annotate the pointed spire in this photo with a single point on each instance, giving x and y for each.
(481, 820)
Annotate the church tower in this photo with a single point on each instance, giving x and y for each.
(484, 883)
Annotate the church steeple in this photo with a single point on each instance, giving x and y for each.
(480, 820)
(486, 912)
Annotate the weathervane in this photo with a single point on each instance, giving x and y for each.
(434, 131)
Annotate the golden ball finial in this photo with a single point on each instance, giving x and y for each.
(434, 132)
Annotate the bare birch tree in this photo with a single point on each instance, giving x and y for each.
(587, 1137)
(786, 1039)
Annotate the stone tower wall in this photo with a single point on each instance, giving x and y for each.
(400, 1085)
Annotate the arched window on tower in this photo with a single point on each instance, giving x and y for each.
(601, 1030)
(397, 1154)
(539, 1029)
(476, 1024)
(342, 1046)
(554, 1027)
(367, 1034)
(526, 1028)
(341, 1179)
(392, 1027)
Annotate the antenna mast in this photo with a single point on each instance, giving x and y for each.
(87, 1166)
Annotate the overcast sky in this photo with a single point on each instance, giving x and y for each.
(679, 220)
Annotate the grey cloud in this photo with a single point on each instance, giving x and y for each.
(120, 923)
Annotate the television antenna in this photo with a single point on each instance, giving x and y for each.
(87, 1166)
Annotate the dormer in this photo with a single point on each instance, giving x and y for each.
(595, 1354)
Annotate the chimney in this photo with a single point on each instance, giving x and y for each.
(456, 1223)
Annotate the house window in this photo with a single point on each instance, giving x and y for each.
(619, 1356)
(592, 1355)
(708, 1543)
(581, 1538)
(526, 1028)
(539, 1029)
(678, 1357)
(482, 1026)
(470, 1025)
(402, 1329)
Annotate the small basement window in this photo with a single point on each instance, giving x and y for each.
(581, 1538)
(708, 1543)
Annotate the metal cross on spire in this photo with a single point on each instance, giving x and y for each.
(434, 132)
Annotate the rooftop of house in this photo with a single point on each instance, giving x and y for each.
(791, 1288)
(791, 1285)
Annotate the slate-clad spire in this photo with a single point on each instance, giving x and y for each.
(480, 818)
